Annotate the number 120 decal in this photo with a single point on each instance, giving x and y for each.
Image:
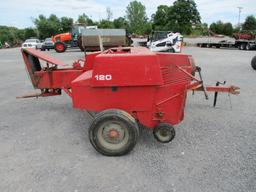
(103, 77)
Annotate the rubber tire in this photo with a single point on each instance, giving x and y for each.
(119, 115)
(165, 126)
(253, 63)
(242, 46)
(248, 47)
(60, 51)
(80, 43)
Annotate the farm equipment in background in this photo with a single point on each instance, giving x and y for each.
(245, 36)
(165, 41)
(242, 41)
(70, 39)
(101, 39)
(127, 87)
(89, 38)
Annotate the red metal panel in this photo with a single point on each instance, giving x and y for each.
(57, 79)
(89, 61)
(126, 69)
(41, 55)
(100, 98)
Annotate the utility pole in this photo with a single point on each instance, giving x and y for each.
(239, 16)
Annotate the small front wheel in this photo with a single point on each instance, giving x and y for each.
(113, 132)
(164, 132)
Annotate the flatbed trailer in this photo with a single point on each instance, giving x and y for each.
(241, 44)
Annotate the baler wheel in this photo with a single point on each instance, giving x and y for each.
(113, 132)
(253, 63)
(164, 132)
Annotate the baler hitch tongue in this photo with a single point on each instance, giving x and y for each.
(234, 90)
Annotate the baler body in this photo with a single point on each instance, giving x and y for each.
(152, 87)
(147, 85)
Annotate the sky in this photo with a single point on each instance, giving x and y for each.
(20, 13)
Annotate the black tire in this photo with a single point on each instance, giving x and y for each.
(60, 47)
(248, 47)
(80, 43)
(253, 63)
(42, 49)
(164, 132)
(242, 46)
(119, 123)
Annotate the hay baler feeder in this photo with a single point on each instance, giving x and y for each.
(126, 87)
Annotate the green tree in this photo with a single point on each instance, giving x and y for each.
(137, 19)
(160, 18)
(228, 29)
(200, 29)
(66, 24)
(182, 16)
(250, 23)
(105, 24)
(20, 35)
(52, 25)
(29, 32)
(217, 27)
(120, 23)
(84, 19)
(222, 28)
(47, 26)
(12, 35)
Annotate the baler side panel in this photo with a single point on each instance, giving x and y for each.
(100, 98)
(170, 102)
(89, 61)
(171, 97)
(57, 79)
(126, 70)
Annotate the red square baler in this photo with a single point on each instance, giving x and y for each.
(126, 87)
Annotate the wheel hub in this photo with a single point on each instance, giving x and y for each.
(113, 133)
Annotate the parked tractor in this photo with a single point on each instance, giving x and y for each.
(70, 39)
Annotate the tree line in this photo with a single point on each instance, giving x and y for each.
(182, 16)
